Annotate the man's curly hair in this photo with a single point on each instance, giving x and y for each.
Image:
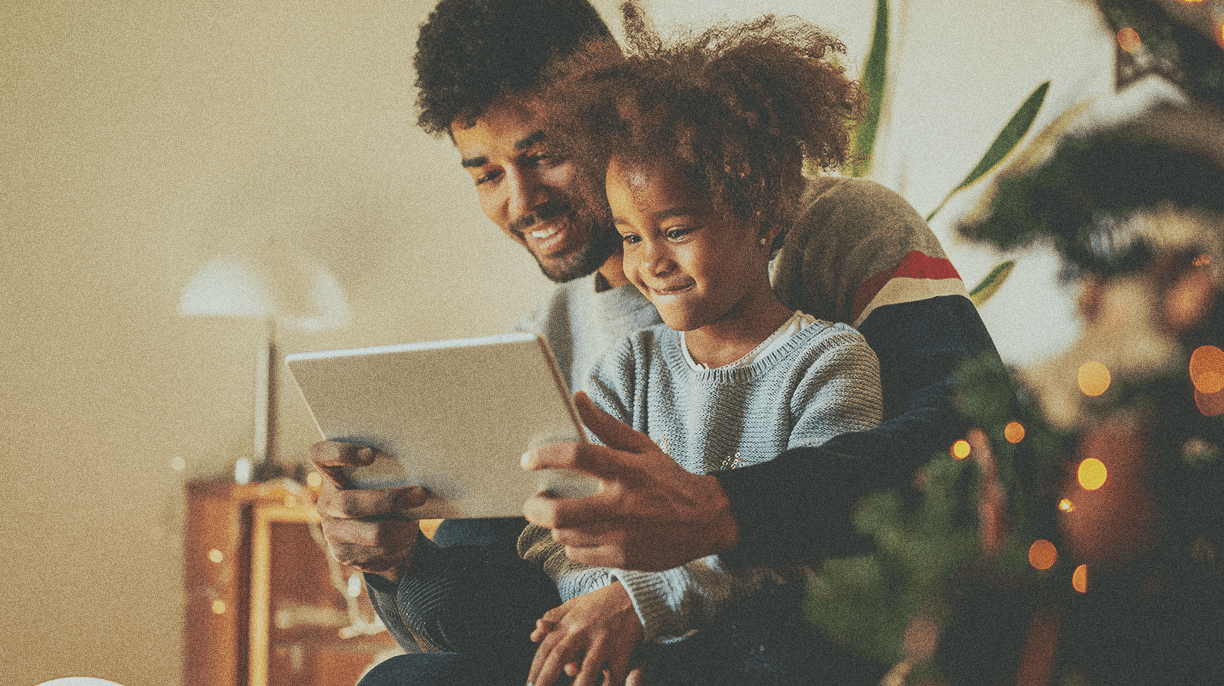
(739, 108)
(471, 52)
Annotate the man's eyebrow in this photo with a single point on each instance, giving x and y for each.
(530, 139)
(474, 162)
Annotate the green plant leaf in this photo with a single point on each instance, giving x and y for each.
(1005, 142)
(991, 283)
(875, 78)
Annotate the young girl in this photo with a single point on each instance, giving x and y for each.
(697, 156)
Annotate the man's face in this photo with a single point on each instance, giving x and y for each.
(525, 190)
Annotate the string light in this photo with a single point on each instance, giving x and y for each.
(1091, 474)
(1093, 378)
(1066, 505)
(1042, 554)
(1209, 404)
(1013, 432)
(1129, 40)
(1079, 579)
(1207, 369)
(960, 449)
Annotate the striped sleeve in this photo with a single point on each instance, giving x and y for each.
(859, 246)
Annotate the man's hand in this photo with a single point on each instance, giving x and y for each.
(648, 514)
(589, 636)
(372, 529)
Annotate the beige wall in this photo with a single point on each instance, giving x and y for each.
(139, 140)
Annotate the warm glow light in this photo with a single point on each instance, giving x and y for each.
(1202, 260)
(1128, 40)
(314, 480)
(960, 449)
(1013, 432)
(1093, 378)
(218, 607)
(1207, 369)
(1042, 554)
(1079, 579)
(1066, 505)
(1210, 404)
(1092, 474)
(216, 555)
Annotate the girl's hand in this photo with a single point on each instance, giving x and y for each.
(595, 632)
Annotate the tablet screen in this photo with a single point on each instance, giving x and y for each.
(453, 416)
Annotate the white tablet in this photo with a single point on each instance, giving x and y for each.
(453, 416)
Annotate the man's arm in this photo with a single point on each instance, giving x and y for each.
(652, 515)
(465, 598)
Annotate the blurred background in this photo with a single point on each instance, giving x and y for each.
(142, 141)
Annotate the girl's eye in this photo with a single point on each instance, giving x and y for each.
(674, 234)
(631, 239)
(485, 178)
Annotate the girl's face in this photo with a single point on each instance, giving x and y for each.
(697, 267)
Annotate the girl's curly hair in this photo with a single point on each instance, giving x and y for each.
(738, 108)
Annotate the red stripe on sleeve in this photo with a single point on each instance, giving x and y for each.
(914, 265)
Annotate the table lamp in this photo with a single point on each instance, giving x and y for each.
(283, 286)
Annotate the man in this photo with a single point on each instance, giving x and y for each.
(860, 255)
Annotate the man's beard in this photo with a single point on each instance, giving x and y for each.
(604, 242)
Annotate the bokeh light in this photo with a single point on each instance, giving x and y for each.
(1128, 40)
(218, 607)
(1093, 378)
(1207, 369)
(1079, 579)
(1210, 404)
(1066, 505)
(1042, 554)
(1013, 432)
(960, 449)
(314, 480)
(1091, 474)
(216, 556)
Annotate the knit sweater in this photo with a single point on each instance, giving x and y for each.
(859, 254)
(822, 382)
(580, 323)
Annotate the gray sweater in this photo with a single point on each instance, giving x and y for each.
(822, 382)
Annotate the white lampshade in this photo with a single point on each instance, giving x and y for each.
(276, 281)
(282, 286)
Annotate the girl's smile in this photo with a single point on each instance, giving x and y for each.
(706, 274)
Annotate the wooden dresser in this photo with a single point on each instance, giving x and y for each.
(266, 606)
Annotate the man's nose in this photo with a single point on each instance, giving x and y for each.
(525, 193)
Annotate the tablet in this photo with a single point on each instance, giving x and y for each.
(453, 416)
